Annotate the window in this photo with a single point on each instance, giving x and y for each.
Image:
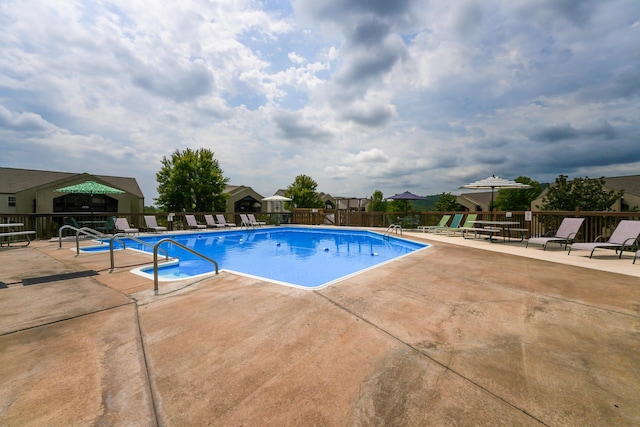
(12, 201)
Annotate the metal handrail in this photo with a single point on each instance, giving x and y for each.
(64, 227)
(391, 229)
(155, 259)
(84, 230)
(69, 227)
(117, 237)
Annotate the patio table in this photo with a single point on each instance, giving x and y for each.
(505, 228)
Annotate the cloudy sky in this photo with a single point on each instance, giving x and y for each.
(361, 95)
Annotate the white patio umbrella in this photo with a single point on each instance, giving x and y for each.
(494, 182)
(277, 199)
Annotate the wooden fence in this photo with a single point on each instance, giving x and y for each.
(596, 223)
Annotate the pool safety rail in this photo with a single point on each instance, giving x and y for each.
(84, 230)
(156, 248)
(124, 246)
(393, 228)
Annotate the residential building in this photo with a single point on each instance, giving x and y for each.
(630, 201)
(25, 191)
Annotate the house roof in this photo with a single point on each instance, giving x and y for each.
(234, 190)
(630, 184)
(14, 180)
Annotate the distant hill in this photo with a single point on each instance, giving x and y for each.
(425, 205)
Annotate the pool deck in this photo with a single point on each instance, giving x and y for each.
(466, 332)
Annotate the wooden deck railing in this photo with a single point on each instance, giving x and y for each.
(596, 223)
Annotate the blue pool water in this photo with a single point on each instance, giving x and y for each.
(304, 257)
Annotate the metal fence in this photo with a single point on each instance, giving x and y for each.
(537, 222)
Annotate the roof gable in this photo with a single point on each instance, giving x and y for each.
(15, 180)
(630, 184)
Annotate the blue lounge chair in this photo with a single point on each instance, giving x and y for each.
(455, 223)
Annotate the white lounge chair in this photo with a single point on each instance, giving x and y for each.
(212, 222)
(192, 223)
(624, 236)
(566, 234)
(222, 220)
(152, 224)
(245, 221)
(122, 225)
(253, 219)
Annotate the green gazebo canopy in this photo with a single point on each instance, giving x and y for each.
(89, 187)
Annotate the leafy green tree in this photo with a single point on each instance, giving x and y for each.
(378, 204)
(303, 193)
(191, 181)
(588, 194)
(447, 202)
(400, 205)
(518, 199)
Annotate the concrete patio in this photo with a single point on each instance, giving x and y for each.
(466, 332)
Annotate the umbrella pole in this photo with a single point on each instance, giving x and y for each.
(493, 211)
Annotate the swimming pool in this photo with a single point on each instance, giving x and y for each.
(293, 256)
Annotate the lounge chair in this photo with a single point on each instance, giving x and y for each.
(636, 256)
(468, 224)
(430, 228)
(152, 224)
(624, 236)
(69, 220)
(212, 222)
(109, 225)
(245, 221)
(192, 223)
(122, 225)
(455, 224)
(222, 220)
(253, 219)
(566, 234)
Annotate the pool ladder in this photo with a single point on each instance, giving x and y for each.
(393, 228)
(155, 259)
(124, 246)
(84, 230)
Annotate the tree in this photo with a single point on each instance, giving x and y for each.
(588, 194)
(191, 181)
(400, 205)
(303, 193)
(447, 202)
(518, 199)
(378, 204)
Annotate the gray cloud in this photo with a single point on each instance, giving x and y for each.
(293, 127)
(333, 10)
(566, 132)
(469, 18)
(446, 92)
(577, 12)
(373, 115)
(22, 122)
(177, 83)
